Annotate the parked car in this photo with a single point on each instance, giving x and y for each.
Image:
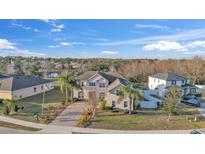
(197, 132)
(191, 100)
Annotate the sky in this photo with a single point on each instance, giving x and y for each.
(90, 38)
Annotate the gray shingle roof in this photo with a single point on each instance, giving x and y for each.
(15, 82)
(169, 76)
(85, 76)
(110, 76)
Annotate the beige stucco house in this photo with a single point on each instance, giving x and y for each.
(21, 86)
(106, 85)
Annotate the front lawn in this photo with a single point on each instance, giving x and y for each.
(33, 104)
(149, 120)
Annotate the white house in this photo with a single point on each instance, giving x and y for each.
(160, 82)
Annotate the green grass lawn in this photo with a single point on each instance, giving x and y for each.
(33, 104)
(149, 120)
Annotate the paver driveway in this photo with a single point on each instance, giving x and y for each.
(70, 116)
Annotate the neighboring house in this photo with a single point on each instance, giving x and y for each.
(53, 74)
(162, 81)
(21, 86)
(106, 85)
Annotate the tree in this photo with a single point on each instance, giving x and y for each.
(172, 99)
(93, 100)
(68, 82)
(9, 106)
(134, 94)
(195, 69)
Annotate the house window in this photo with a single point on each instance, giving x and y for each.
(80, 95)
(158, 80)
(92, 84)
(34, 89)
(173, 82)
(41, 87)
(117, 92)
(125, 104)
(102, 95)
(193, 90)
(154, 80)
(183, 81)
(101, 85)
(113, 104)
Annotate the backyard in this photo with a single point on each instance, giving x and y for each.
(33, 105)
(149, 120)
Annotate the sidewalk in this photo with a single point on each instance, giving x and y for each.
(22, 122)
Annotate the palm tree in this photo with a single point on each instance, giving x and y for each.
(68, 82)
(134, 94)
(172, 100)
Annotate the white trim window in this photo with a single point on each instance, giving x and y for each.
(102, 85)
(125, 104)
(80, 95)
(91, 84)
(113, 104)
(102, 95)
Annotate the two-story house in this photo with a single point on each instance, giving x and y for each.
(162, 81)
(107, 85)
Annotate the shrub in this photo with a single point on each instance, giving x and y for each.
(87, 112)
(44, 119)
(16, 108)
(84, 121)
(108, 108)
(126, 111)
(9, 106)
(6, 110)
(115, 110)
(63, 103)
(103, 105)
(198, 95)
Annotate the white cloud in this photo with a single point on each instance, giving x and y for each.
(165, 46)
(52, 23)
(55, 30)
(109, 52)
(19, 52)
(199, 52)
(72, 43)
(5, 44)
(47, 20)
(66, 44)
(8, 48)
(102, 39)
(24, 27)
(196, 44)
(180, 36)
(151, 26)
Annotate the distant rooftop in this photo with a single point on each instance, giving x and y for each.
(169, 76)
(13, 82)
